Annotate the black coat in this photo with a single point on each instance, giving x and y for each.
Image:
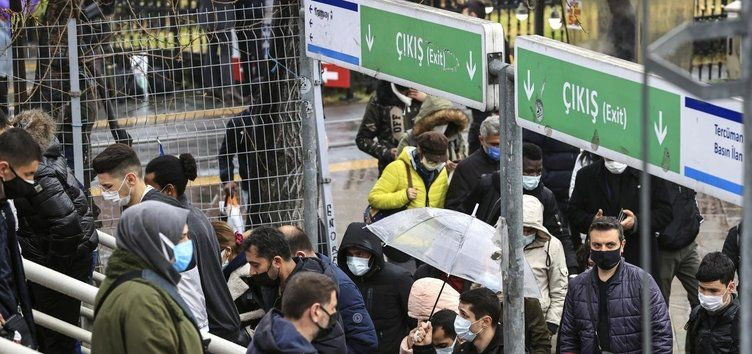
(269, 299)
(592, 192)
(385, 288)
(685, 224)
(56, 223)
(558, 163)
(709, 333)
(487, 195)
(467, 176)
(732, 246)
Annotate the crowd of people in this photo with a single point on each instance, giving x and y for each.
(176, 275)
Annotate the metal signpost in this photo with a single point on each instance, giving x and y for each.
(593, 101)
(435, 51)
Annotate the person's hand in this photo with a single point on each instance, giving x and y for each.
(450, 165)
(411, 338)
(629, 222)
(393, 151)
(424, 335)
(599, 214)
(417, 95)
(230, 188)
(2, 321)
(412, 193)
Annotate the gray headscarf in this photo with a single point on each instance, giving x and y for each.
(138, 233)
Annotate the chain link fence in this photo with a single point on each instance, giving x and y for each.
(214, 79)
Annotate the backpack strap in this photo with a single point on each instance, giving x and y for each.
(409, 175)
(120, 280)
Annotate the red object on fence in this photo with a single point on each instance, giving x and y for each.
(335, 76)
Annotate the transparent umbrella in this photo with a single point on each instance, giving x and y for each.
(452, 242)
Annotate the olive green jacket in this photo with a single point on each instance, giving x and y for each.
(137, 317)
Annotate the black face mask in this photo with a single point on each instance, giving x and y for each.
(17, 187)
(325, 331)
(263, 279)
(606, 259)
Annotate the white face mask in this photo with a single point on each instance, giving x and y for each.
(615, 167)
(711, 303)
(114, 196)
(358, 266)
(223, 256)
(431, 166)
(530, 182)
(447, 350)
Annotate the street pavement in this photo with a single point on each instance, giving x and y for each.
(352, 182)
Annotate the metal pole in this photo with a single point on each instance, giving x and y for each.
(75, 94)
(511, 210)
(539, 21)
(645, 211)
(308, 127)
(746, 235)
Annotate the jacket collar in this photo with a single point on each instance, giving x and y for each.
(615, 279)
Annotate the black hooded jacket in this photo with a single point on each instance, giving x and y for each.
(55, 224)
(385, 288)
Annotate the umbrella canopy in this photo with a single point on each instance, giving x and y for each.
(455, 243)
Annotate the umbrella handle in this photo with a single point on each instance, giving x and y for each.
(439, 296)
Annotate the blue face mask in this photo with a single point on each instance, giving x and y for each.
(494, 152)
(183, 255)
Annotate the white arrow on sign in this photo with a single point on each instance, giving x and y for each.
(470, 66)
(329, 75)
(660, 130)
(369, 39)
(529, 87)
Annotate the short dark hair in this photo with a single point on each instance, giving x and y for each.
(18, 148)
(444, 319)
(532, 152)
(176, 171)
(305, 289)
(269, 243)
(483, 302)
(297, 239)
(117, 159)
(716, 266)
(607, 223)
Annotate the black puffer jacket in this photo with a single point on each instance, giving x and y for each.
(385, 288)
(558, 162)
(487, 195)
(685, 225)
(732, 247)
(467, 176)
(709, 333)
(55, 221)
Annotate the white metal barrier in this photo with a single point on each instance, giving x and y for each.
(9, 347)
(87, 293)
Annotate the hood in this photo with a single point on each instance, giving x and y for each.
(532, 215)
(38, 124)
(359, 237)
(435, 112)
(407, 155)
(423, 295)
(274, 334)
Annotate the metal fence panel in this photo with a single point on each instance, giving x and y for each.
(170, 76)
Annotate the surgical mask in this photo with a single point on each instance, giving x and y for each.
(493, 152)
(615, 167)
(462, 328)
(223, 256)
(114, 196)
(446, 350)
(183, 253)
(530, 182)
(528, 239)
(710, 302)
(431, 166)
(404, 99)
(358, 266)
(606, 260)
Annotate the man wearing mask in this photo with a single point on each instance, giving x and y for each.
(486, 195)
(272, 267)
(19, 159)
(480, 162)
(385, 287)
(309, 311)
(713, 327)
(611, 188)
(603, 308)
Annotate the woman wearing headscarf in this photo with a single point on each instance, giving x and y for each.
(138, 308)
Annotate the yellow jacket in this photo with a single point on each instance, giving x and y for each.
(390, 191)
